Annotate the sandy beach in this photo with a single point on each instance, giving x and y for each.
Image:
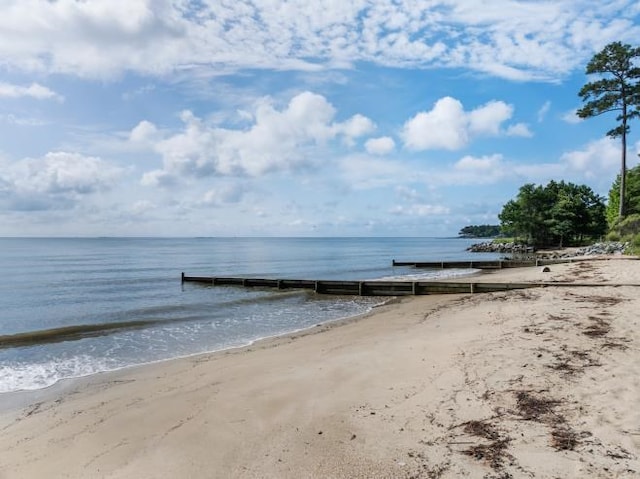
(536, 383)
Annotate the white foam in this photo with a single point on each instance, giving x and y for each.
(18, 377)
(430, 275)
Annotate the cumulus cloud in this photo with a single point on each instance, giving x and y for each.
(57, 180)
(448, 126)
(518, 40)
(380, 146)
(486, 120)
(277, 140)
(519, 129)
(34, 90)
(445, 126)
(143, 133)
(595, 159)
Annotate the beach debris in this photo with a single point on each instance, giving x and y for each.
(493, 453)
(564, 439)
(532, 408)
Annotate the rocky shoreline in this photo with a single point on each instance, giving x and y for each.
(604, 248)
(491, 247)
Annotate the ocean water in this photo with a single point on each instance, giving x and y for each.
(85, 306)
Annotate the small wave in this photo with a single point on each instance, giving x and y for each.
(71, 333)
(434, 274)
(91, 330)
(32, 376)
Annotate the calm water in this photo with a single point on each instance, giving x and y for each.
(124, 303)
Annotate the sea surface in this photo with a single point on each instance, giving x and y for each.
(89, 305)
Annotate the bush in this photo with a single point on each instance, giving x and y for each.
(630, 225)
(613, 236)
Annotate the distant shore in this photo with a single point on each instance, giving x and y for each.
(538, 383)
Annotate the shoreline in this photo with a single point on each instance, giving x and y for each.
(20, 397)
(427, 386)
(39, 392)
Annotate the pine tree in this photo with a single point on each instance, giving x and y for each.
(618, 89)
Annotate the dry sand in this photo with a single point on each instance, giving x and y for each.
(540, 383)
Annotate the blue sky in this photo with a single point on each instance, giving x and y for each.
(295, 118)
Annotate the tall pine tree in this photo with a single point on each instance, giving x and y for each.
(618, 90)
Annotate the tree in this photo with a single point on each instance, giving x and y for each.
(480, 231)
(556, 214)
(632, 196)
(618, 91)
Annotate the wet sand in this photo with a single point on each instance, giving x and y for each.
(540, 383)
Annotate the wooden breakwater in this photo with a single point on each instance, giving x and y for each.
(497, 264)
(362, 288)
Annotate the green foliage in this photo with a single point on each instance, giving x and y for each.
(480, 231)
(613, 236)
(628, 227)
(632, 196)
(616, 90)
(558, 214)
(628, 231)
(505, 240)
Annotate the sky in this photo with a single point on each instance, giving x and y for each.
(295, 117)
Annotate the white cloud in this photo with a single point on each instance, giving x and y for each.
(12, 119)
(365, 172)
(277, 140)
(380, 146)
(571, 117)
(355, 127)
(35, 90)
(519, 40)
(600, 157)
(143, 133)
(448, 126)
(227, 194)
(483, 164)
(420, 209)
(544, 109)
(445, 126)
(408, 194)
(57, 180)
(486, 120)
(478, 170)
(519, 129)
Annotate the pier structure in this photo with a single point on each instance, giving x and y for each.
(361, 288)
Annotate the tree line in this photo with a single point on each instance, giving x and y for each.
(559, 214)
(480, 231)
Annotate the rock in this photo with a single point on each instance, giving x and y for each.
(546, 269)
(491, 247)
(614, 247)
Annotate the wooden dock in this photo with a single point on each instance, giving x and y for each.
(362, 288)
(497, 264)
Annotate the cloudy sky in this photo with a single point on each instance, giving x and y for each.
(294, 117)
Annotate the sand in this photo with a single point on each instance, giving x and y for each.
(540, 383)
